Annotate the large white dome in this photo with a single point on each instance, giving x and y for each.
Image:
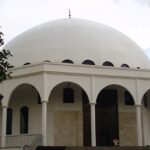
(76, 40)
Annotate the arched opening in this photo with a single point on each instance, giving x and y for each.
(47, 61)
(67, 61)
(10, 67)
(27, 63)
(70, 115)
(145, 115)
(26, 118)
(88, 62)
(115, 118)
(125, 66)
(107, 63)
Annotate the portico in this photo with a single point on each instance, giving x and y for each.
(47, 81)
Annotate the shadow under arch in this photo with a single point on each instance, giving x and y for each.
(109, 103)
(145, 98)
(70, 106)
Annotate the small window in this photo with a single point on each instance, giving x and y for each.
(68, 95)
(9, 122)
(67, 61)
(10, 67)
(27, 63)
(128, 98)
(24, 114)
(47, 61)
(107, 63)
(125, 66)
(88, 62)
(138, 68)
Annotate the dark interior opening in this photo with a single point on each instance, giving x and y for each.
(107, 118)
(86, 120)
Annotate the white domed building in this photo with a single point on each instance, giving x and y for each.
(76, 83)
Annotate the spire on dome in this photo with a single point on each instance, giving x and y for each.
(69, 15)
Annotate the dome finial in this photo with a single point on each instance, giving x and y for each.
(69, 15)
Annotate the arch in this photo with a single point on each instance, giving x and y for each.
(125, 66)
(88, 62)
(68, 61)
(108, 63)
(23, 85)
(116, 85)
(68, 82)
(70, 100)
(24, 100)
(24, 119)
(108, 115)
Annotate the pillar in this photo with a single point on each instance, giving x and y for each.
(4, 119)
(44, 123)
(92, 105)
(93, 127)
(139, 125)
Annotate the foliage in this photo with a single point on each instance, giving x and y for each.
(4, 65)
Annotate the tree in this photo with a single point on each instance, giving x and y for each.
(4, 65)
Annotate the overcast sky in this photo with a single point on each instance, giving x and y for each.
(132, 17)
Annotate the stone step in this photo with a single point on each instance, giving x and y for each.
(93, 148)
(51, 148)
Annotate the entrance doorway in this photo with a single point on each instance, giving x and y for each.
(107, 117)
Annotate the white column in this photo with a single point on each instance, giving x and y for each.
(93, 127)
(4, 119)
(139, 126)
(44, 123)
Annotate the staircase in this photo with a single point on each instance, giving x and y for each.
(93, 148)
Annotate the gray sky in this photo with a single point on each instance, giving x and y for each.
(132, 17)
